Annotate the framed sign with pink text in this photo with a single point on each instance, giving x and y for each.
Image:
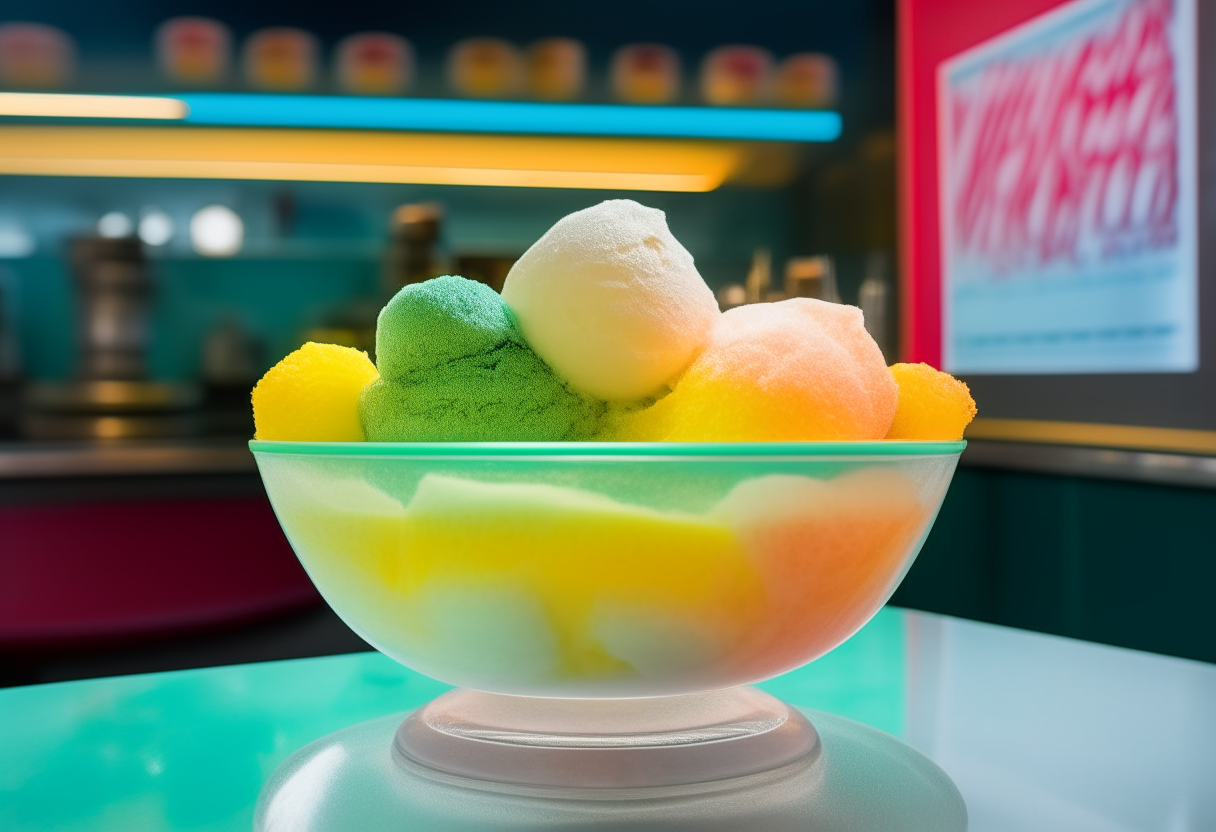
(1067, 181)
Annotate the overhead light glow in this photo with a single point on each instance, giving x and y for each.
(155, 228)
(365, 156)
(56, 105)
(115, 224)
(393, 174)
(15, 241)
(216, 231)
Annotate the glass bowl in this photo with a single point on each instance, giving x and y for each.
(605, 570)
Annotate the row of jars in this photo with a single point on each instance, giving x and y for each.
(197, 51)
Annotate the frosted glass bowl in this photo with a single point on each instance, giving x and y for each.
(588, 570)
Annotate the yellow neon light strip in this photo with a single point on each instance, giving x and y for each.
(56, 105)
(373, 156)
(393, 174)
(1095, 435)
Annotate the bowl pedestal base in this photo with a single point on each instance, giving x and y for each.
(736, 760)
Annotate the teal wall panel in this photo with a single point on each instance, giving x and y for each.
(323, 254)
(1034, 535)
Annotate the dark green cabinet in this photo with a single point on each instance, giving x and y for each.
(1123, 563)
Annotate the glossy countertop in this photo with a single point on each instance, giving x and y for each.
(1041, 733)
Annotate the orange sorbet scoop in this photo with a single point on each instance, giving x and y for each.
(932, 405)
(794, 371)
(829, 554)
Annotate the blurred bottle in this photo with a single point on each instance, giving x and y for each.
(232, 357)
(736, 75)
(731, 295)
(412, 256)
(645, 73)
(876, 301)
(413, 252)
(759, 283)
(808, 79)
(194, 50)
(34, 56)
(281, 60)
(557, 69)
(232, 361)
(375, 63)
(284, 209)
(811, 277)
(114, 287)
(485, 268)
(485, 68)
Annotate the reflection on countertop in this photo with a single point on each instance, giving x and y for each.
(24, 460)
(1194, 470)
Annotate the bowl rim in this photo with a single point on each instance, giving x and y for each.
(613, 450)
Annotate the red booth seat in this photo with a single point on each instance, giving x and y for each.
(107, 572)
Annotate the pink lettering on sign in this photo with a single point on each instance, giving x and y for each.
(1069, 155)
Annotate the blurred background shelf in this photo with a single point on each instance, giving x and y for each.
(1192, 470)
(38, 460)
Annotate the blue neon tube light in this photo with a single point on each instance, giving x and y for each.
(441, 115)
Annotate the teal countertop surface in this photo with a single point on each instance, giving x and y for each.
(1040, 733)
(189, 750)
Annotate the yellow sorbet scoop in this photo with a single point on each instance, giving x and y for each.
(312, 395)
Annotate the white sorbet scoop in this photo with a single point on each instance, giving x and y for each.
(612, 301)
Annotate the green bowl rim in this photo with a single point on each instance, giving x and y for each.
(885, 448)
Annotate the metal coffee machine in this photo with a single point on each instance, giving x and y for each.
(111, 396)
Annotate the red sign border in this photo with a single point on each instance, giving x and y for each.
(929, 32)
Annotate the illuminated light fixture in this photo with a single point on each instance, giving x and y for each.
(15, 241)
(516, 117)
(216, 231)
(115, 224)
(155, 227)
(364, 156)
(55, 105)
